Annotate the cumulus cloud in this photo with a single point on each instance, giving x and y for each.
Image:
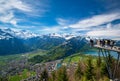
(109, 25)
(107, 32)
(8, 18)
(99, 26)
(62, 22)
(9, 8)
(96, 21)
(104, 33)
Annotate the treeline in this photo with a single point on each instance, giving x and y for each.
(89, 70)
(85, 71)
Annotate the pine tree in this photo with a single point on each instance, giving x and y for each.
(78, 72)
(44, 76)
(53, 76)
(3, 79)
(103, 70)
(98, 62)
(89, 70)
(62, 74)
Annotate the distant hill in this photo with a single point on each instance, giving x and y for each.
(12, 46)
(69, 47)
(45, 42)
(74, 45)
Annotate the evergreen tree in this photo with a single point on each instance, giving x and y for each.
(62, 74)
(53, 76)
(98, 62)
(78, 72)
(44, 76)
(103, 70)
(89, 70)
(3, 79)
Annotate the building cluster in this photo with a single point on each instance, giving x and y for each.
(38, 68)
(14, 67)
(49, 66)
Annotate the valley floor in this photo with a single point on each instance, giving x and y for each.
(19, 68)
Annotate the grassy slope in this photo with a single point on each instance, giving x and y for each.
(7, 58)
(25, 74)
(38, 52)
(78, 57)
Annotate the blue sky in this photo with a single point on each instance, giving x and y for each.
(96, 18)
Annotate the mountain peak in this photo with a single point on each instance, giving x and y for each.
(66, 36)
(23, 34)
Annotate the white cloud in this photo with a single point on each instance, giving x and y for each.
(20, 5)
(96, 21)
(61, 21)
(14, 22)
(6, 6)
(109, 25)
(104, 33)
(94, 26)
(64, 22)
(8, 9)
(113, 32)
(53, 29)
(46, 30)
(8, 18)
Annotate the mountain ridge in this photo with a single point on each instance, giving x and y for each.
(21, 41)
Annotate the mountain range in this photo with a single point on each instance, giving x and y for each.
(21, 41)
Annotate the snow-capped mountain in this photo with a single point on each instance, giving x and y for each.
(14, 41)
(7, 33)
(65, 36)
(20, 41)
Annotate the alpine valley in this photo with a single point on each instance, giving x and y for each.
(20, 41)
(24, 55)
